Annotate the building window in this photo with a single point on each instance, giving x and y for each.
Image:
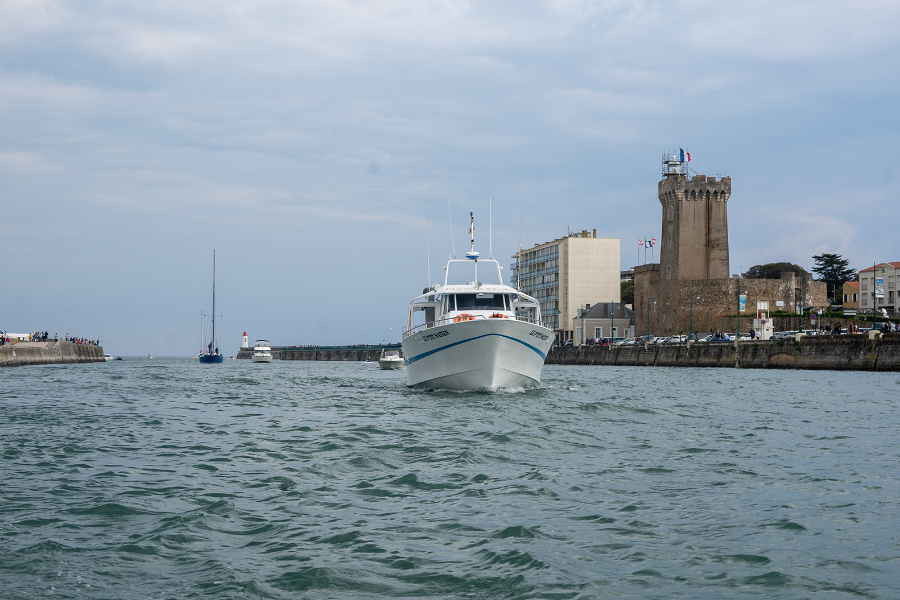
(598, 332)
(863, 285)
(845, 297)
(855, 297)
(890, 297)
(864, 302)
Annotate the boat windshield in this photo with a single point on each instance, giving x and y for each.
(391, 354)
(481, 301)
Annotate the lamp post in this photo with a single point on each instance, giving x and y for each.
(657, 314)
(648, 319)
(801, 301)
(692, 315)
(874, 296)
(612, 337)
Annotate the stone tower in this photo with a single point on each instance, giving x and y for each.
(694, 227)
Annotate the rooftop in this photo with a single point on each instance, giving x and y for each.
(896, 265)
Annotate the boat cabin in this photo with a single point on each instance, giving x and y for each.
(472, 300)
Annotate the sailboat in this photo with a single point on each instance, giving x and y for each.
(148, 349)
(210, 354)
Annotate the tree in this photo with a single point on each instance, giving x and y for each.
(627, 292)
(773, 270)
(833, 270)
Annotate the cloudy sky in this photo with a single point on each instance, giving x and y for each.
(308, 142)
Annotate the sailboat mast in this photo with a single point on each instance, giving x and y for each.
(214, 302)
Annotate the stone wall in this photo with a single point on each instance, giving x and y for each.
(328, 353)
(646, 297)
(845, 353)
(49, 353)
(714, 299)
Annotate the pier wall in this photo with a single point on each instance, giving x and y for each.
(325, 353)
(842, 353)
(49, 353)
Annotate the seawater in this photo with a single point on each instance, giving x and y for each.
(169, 479)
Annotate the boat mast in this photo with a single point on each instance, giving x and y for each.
(214, 302)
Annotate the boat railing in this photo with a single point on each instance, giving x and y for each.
(458, 319)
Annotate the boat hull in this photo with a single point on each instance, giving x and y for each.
(479, 354)
(390, 363)
(211, 358)
(262, 358)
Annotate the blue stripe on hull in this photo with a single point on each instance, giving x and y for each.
(430, 352)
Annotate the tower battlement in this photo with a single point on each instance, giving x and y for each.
(675, 188)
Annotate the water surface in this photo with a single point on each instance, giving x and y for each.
(171, 479)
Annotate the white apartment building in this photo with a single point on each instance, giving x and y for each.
(576, 271)
(867, 287)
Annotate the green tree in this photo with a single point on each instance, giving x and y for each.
(773, 270)
(833, 270)
(627, 292)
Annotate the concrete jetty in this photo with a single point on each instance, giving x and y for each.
(880, 352)
(49, 353)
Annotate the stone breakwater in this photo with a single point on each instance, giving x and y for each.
(323, 353)
(841, 353)
(49, 353)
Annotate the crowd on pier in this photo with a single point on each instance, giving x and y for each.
(44, 336)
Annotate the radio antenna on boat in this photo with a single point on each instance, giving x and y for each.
(518, 258)
(428, 252)
(490, 225)
(449, 214)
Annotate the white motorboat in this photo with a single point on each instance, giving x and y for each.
(262, 351)
(390, 359)
(475, 335)
(108, 357)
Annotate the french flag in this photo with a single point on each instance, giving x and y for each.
(683, 153)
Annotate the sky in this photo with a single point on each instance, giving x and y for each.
(313, 144)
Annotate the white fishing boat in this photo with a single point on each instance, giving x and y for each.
(390, 359)
(475, 335)
(262, 351)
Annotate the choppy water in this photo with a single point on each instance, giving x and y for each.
(170, 479)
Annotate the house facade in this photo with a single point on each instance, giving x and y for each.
(867, 290)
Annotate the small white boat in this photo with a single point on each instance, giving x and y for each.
(108, 357)
(262, 351)
(390, 359)
(475, 335)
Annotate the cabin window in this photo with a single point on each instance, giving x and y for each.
(479, 301)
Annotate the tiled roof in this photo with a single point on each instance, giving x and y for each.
(853, 284)
(601, 311)
(896, 265)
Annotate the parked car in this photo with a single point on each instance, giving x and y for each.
(780, 335)
(568, 343)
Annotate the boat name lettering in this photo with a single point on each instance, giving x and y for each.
(435, 335)
(538, 334)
